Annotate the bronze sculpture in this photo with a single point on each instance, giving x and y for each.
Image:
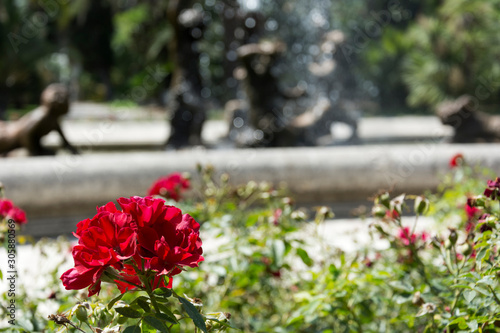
(470, 124)
(29, 129)
(186, 102)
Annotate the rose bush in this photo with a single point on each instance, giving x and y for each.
(440, 277)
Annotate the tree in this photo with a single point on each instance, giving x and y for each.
(455, 51)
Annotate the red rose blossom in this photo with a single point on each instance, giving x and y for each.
(170, 187)
(167, 239)
(456, 161)
(146, 235)
(103, 241)
(9, 211)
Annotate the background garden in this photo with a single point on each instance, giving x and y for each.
(405, 56)
(249, 166)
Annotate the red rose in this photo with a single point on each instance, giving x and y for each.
(170, 187)
(167, 239)
(456, 161)
(5, 207)
(146, 236)
(103, 241)
(9, 211)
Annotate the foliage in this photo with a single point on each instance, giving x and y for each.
(453, 52)
(269, 270)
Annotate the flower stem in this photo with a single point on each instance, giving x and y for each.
(149, 290)
(414, 226)
(495, 297)
(455, 300)
(131, 283)
(154, 302)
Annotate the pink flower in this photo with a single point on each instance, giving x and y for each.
(407, 239)
(9, 211)
(276, 216)
(471, 211)
(492, 190)
(170, 187)
(469, 226)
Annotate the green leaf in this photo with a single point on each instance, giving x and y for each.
(143, 304)
(463, 325)
(401, 285)
(469, 295)
(156, 323)
(481, 254)
(295, 319)
(400, 299)
(128, 312)
(132, 329)
(252, 219)
(304, 256)
(167, 312)
(168, 318)
(278, 251)
(114, 300)
(457, 321)
(483, 291)
(193, 314)
(487, 280)
(146, 328)
(473, 325)
(163, 292)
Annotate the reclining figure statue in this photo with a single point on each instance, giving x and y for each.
(29, 129)
(471, 125)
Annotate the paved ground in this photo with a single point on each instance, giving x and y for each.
(103, 127)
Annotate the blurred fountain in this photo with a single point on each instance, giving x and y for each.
(312, 63)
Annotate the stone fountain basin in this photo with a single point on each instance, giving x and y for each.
(57, 192)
